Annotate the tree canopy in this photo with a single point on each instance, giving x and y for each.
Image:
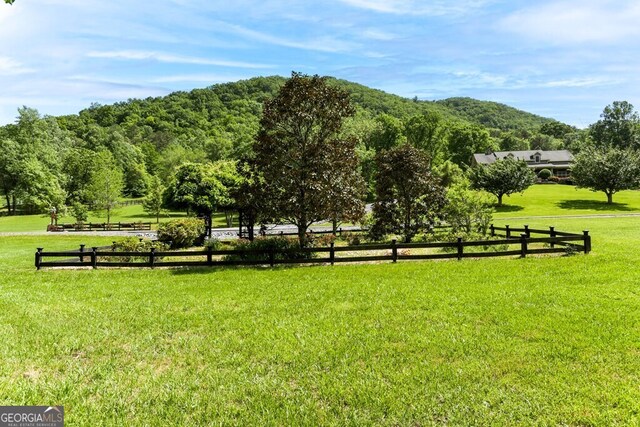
(408, 198)
(306, 164)
(502, 177)
(608, 169)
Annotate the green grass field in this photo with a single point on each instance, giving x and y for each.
(134, 213)
(542, 341)
(551, 200)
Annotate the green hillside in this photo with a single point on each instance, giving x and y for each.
(492, 114)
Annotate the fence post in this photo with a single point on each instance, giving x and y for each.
(526, 231)
(209, 256)
(460, 248)
(152, 257)
(81, 251)
(332, 253)
(340, 232)
(272, 257)
(508, 231)
(493, 230)
(523, 245)
(113, 246)
(94, 258)
(38, 258)
(587, 241)
(394, 250)
(552, 233)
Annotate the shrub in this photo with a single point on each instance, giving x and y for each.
(554, 179)
(322, 240)
(213, 244)
(181, 233)
(544, 174)
(468, 211)
(282, 247)
(352, 239)
(133, 244)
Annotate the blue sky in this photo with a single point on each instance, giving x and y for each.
(565, 59)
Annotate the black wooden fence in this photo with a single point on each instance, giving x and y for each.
(515, 242)
(114, 226)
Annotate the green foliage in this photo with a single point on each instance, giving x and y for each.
(556, 129)
(283, 248)
(308, 170)
(493, 114)
(618, 127)
(181, 233)
(468, 211)
(408, 198)
(134, 244)
(544, 174)
(154, 200)
(196, 188)
(607, 169)
(213, 244)
(503, 177)
(464, 140)
(79, 212)
(107, 182)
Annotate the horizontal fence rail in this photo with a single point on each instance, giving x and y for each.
(114, 226)
(510, 245)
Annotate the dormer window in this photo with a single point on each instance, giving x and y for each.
(537, 158)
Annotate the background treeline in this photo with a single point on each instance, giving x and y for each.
(51, 161)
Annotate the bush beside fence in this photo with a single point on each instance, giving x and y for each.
(557, 242)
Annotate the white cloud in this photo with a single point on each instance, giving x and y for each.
(576, 21)
(197, 78)
(417, 7)
(579, 82)
(9, 66)
(138, 55)
(321, 44)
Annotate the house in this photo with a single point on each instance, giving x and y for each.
(557, 161)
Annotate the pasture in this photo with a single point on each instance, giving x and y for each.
(542, 340)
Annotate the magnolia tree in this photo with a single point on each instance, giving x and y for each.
(607, 169)
(503, 177)
(308, 170)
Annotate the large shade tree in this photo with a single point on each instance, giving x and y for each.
(619, 126)
(503, 177)
(304, 161)
(409, 199)
(609, 170)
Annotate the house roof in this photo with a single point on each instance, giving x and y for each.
(551, 157)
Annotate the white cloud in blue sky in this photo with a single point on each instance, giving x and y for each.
(565, 59)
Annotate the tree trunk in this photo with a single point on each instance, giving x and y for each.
(13, 208)
(8, 204)
(609, 197)
(158, 217)
(302, 238)
(500, 199)
(108, 215)
(334, 225)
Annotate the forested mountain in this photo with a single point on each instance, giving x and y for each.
(493, 115)
(46, 159)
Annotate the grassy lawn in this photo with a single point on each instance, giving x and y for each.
(546, 341)
(545, 200)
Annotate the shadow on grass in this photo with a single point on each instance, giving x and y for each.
(596, 205)
(508, 208)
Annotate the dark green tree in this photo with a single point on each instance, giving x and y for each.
(609, 170)
(503, 177)
(408, 198)
(302, 157)
(196, 189)
(619, 126)
(464, 140)
(428, 133)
